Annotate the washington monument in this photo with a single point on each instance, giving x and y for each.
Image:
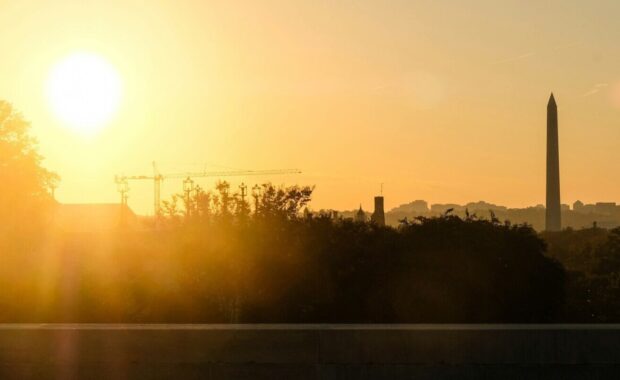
(553, 217)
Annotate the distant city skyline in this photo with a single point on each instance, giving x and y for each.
(578, 215)
(421, 205)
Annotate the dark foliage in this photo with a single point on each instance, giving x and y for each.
(282, 266)
(592, 259)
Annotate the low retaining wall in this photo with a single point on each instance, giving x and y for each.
(308, 351)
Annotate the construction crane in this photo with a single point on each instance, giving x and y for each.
(122, 181)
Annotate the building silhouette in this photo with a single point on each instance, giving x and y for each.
(378, 216)
(553, 213)
(360, 215)
(578, 206)
(605, 208)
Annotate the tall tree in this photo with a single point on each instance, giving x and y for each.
(26, 186)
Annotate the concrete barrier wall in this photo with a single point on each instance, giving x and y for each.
(309, 351)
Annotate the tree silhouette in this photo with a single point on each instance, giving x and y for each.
(283, 202)
(27, 187)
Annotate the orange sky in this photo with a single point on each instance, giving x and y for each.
(438, 100)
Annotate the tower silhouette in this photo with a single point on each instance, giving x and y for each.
(378, 216)
(553, 218)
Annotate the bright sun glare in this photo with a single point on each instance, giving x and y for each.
(84, 91)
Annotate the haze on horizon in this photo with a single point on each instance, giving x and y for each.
(441, 101)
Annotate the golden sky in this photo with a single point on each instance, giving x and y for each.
(438, 100)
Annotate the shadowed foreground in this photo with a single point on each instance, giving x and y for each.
(308, 351)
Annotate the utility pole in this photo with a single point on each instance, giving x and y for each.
(157, 179)
(256, 194)
(123, 188)
(188, 187)
(244, 191)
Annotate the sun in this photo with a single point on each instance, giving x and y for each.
(84, 91)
